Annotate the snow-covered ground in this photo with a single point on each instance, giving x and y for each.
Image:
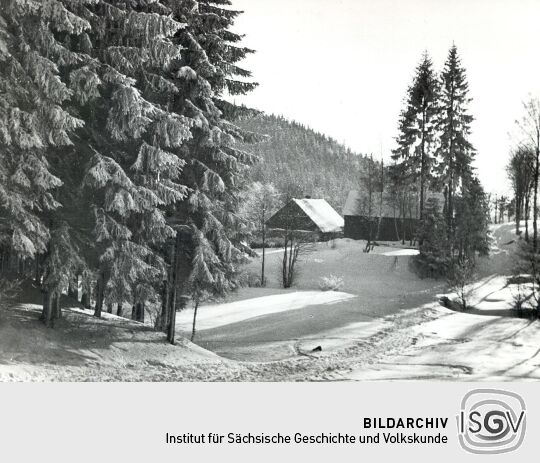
(214, 315)
(401, 252)
(484, 343)
(386, 325)
(269, 324)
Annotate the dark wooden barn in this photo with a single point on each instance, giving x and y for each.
(386, 224)
(315, 216)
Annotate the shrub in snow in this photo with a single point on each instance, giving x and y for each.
(8, 289)
(460, 278)
(520, 300)
(331, 283)
(251, 280)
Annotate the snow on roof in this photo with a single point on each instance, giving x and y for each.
(321, 213)
(356, 205)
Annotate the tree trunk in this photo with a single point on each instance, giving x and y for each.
(518, 212)
(284, 264)
(51, 308)
(139, 311)
(119, 310)
(37, 275)
(171, 328)
(162, 323)
(85, 300)
(263, 283)
(73, 290)
(291, 264)
(535, 201)
(171, 331)
(402, 213)
(109, 307)
(100, 293)
(194, 319)
(57, 311)
(527, 213)
(422, 165)
(47, 306)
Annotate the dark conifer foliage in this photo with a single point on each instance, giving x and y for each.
(455, 150)
(35, 52)
(116, 134)
(434, 153)
(417, 131)
(210, 239)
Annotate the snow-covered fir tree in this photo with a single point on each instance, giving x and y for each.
(36, 124)
(455, 150)
(132, 142)
(417, 131)
(205, 73)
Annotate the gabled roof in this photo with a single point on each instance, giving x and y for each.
(322, 214)
(307, 215)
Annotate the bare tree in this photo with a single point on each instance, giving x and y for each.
(368, 206)
(260, 202)
(298, 239)
(520, 173)
(530, 128)
(297, 243)
(503, 204)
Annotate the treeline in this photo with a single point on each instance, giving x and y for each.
(119, 168)
(300, 162)
(523, 172)
(523, 169)
(434, 155)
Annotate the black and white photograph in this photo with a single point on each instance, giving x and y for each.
(269, 190)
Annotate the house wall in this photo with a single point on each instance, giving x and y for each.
(292, 217)
(357, 228)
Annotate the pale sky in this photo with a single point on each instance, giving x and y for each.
(342, 67)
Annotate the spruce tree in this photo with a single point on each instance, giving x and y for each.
(417, 130)
(34, 52)
(432, 260)
(132, 143)
(472, 221)
(455, 151)
(38, 56)
(206, 72)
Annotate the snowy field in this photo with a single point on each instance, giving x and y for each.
(212, 316)
(385, 324)
(259, 325)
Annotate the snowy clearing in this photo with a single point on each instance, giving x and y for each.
(388, 325)
(212, 316)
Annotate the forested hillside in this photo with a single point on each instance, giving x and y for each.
(301, 161)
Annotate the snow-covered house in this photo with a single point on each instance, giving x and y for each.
(307, 215)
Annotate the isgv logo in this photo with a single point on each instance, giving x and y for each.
(491, 421)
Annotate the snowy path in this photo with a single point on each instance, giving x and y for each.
(485, 343)
(460, 346)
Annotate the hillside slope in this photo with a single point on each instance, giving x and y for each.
(84, 348)
(297, 159)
